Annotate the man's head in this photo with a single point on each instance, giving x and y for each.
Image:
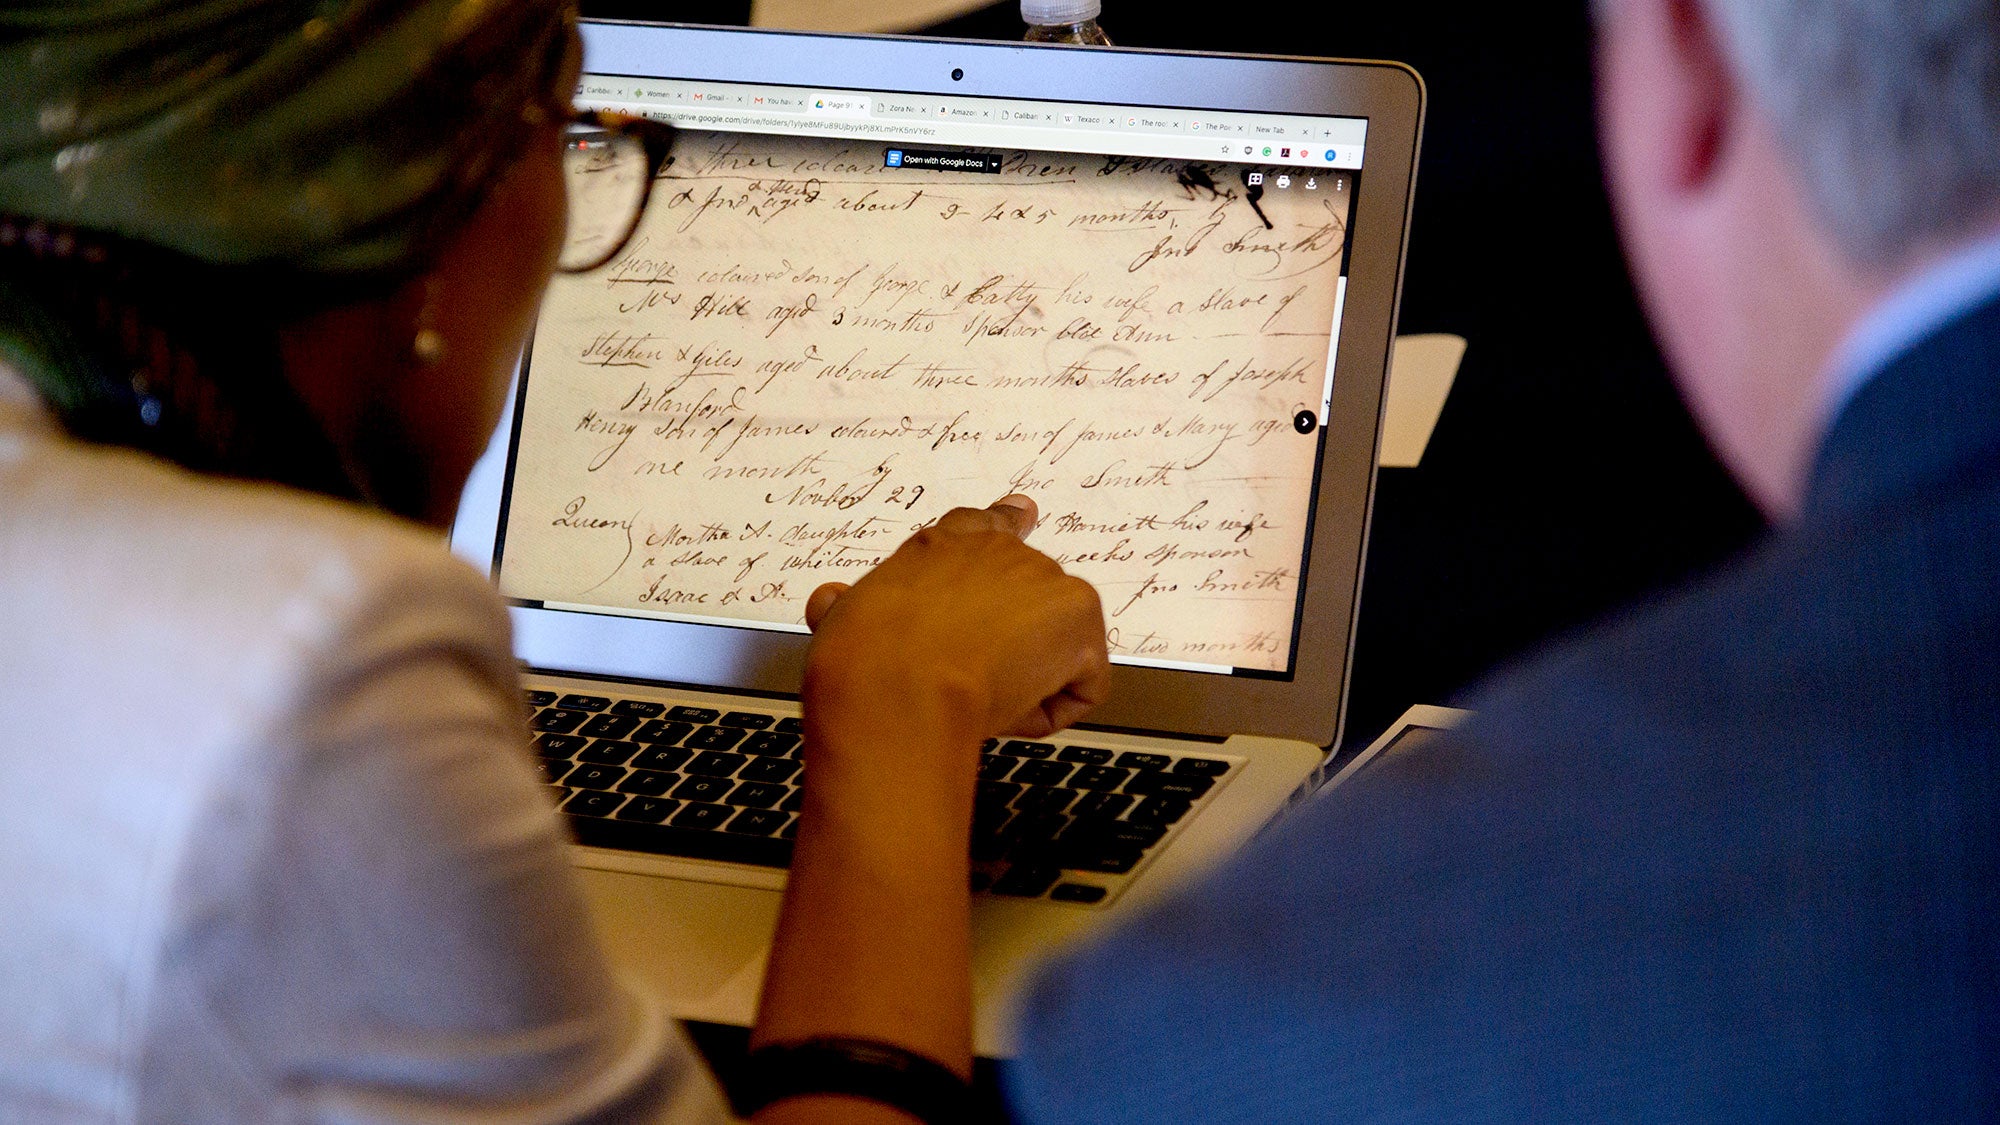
(1778, 165)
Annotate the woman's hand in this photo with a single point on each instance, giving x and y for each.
(963, 633)
(966, 614)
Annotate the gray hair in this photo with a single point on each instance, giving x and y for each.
(1890, 109)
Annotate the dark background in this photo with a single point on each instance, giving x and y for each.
(1564, 478)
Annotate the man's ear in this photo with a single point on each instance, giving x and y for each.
(1705, 91)
(1667, 95)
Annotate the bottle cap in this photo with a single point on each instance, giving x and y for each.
(1059, 13)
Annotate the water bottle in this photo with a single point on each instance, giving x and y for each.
(1064, 21)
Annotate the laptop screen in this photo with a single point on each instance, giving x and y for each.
(846, 312)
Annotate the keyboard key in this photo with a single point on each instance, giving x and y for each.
(558, 745)
(1077, 892)
(1031, 835)
(989, 746)
(1127, 833)
(589, 776)
(1027, 880)
(791, 725)
(715, 764)
(648, 783)
(1136, 761)
(748, 720)
(1110, 861)
(1190, 786)
(1042, 773)
(552, 769)
(703, 788)
(662, 732)
(536, 697)
(592, 802)
(1022, 749)
(664, 839)
(995, 767)
(638, 708)
(692, 714)
(648, 810)
(713, 738)
(1038, 799)
(1098, 847)
(703, 816)
(789, 831)
(980, 882)
(1102, 806)
(1159, 810)
(756, 795)
(989, 833)
(770, 742)
(1087, 755)
(768, 769)
(795, 802)
(556, 720)
(1099, 777)
(1000, 793)
(758, 822)
(584, 702)
(609, 752)
(1201, 767)
(609, 726)
(661, 758)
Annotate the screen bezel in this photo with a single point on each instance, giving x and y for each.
(1309, 705)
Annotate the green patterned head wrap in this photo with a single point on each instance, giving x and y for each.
(178, 178)
(344, 137)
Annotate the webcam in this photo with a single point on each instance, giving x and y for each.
(957, 73)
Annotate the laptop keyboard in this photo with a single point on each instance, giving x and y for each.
(1057, 820)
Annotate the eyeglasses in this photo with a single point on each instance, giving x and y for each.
(610, 161)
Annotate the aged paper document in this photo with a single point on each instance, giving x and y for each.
(805, 354)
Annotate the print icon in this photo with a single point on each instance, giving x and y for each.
(1284, 181)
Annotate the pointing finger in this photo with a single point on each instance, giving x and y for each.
(1019, 511)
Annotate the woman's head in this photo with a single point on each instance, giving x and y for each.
(378, 177)
(345, 138)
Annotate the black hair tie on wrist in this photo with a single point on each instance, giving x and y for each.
(861, 1068)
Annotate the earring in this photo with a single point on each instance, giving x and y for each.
(428, 343)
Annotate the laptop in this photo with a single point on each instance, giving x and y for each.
(883, 277)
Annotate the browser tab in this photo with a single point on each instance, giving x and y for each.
(840, 105)
(901, 107)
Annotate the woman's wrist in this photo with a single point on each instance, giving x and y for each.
(898, 725)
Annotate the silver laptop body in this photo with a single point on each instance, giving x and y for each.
(883, 277)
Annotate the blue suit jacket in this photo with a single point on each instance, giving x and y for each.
(1734, 857)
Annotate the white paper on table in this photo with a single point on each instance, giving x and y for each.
(1421, 371)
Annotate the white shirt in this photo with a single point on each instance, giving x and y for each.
(273, 849)
(1946, 290)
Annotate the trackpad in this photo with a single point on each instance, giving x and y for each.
(700, 946)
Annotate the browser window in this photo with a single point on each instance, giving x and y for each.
(846, 312)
